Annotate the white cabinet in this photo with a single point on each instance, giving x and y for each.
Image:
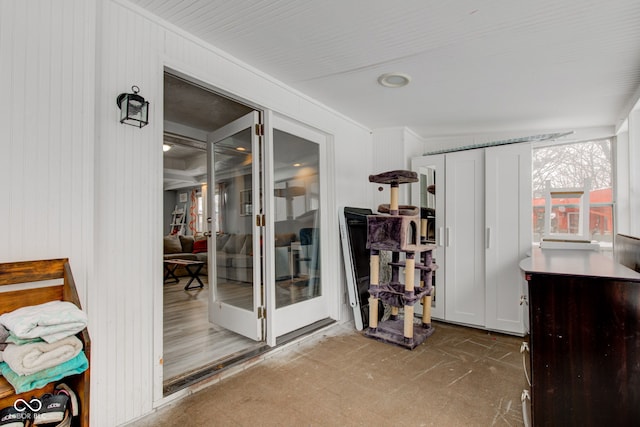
(508, 216)
(482, 205)
(463, 267)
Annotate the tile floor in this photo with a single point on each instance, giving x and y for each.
(458, 377)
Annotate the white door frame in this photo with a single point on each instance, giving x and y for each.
(332, 282)
(286, 319)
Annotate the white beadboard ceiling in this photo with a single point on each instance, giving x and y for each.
(476, 66)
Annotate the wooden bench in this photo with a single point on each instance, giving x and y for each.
(56, 284)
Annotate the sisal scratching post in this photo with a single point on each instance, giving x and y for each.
(410, 265)
(374, 276)
(426, 311)
(393, 206)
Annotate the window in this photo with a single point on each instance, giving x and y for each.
(570, 166)
(200, 223)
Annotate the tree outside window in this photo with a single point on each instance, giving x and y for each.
(568, 166)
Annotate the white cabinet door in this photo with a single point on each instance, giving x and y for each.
(464, 237)
(508, 233)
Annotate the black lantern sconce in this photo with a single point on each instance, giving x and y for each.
(134, 110)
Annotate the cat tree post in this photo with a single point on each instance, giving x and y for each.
(374, 277)
(398, 229)
(408, 290)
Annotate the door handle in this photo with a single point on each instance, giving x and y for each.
(207, 234)
(488, 237)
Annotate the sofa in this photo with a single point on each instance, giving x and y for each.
(234, 254)
(186, 247)
(234, 257)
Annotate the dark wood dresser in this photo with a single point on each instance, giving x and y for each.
(584, 312)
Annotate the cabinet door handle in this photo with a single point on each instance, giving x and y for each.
(488, 237)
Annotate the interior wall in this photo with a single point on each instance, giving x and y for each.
(169, 202)
(393, 149)
(129, 163)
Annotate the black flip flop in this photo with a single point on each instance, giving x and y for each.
(11, 417)
(54, 407)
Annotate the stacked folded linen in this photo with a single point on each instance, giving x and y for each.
(24, 383)
(30, 358)
(51, 321)
(41, 345)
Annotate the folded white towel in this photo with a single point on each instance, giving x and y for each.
(50, 321)
(27, 359)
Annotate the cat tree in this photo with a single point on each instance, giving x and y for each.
(397, 229)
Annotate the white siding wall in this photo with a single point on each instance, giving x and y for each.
(128, 219)
(126, 303)
(77, 184)
(47, 127)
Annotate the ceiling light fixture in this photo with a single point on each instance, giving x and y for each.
(394, 80)
(241, 149)
(297, 165)
(166, 147)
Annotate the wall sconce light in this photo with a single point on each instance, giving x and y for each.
(134, 110)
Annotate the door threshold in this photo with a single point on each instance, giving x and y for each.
(305, 330)
(173, 385)
(187, 379)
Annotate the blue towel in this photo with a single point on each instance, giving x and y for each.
(22, 383)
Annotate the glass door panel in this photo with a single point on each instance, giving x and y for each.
(296, 218)
(297, 291)
(234, 180)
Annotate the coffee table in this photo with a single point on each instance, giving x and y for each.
(192, 267)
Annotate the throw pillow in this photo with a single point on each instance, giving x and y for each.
(199, 246)
(187, 244)
(172, 244)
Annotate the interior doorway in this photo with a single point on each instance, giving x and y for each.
(193, 346)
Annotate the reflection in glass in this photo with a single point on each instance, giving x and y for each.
(428, 216)
(233, 220)
(428, 202)
(297, 221)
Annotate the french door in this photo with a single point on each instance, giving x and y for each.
(266, 274)
(298, 217)
(234, 237)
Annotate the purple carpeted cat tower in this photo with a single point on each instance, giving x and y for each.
(398, 229)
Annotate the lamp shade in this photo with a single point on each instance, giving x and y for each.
(134, 110)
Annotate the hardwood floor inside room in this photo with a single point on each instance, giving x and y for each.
(191, 343)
